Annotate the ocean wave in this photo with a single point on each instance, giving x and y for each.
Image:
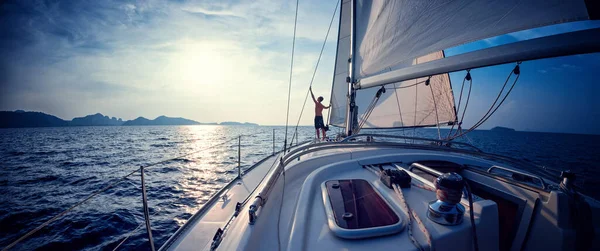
(38, 181)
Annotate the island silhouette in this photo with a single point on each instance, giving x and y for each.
(20, 118)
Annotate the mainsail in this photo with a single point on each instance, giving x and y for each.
(394, 35)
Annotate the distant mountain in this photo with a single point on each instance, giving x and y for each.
(238, 123)
(502, 129)
(19, 118)
(162, 120)
(96, 120)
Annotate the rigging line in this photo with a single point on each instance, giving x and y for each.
(370, 108)
(400, 112)
(415, 114)
(437, 119)
(129, 235)
(316, 67)
(194, 152)
(115, 182)
(243, 203)
(457, 109)
(482, 120)
(408, 86)
(138, 227)
(287, 116)
(366, 114)
(466, 105)
(280, 209)
(261, 180)
(509, 90)
(497, 97)
(68, 210)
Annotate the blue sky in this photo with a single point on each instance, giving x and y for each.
(552, 95)
(215, 61)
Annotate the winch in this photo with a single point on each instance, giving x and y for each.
(447, 210)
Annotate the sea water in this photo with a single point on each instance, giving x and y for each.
(44, 171)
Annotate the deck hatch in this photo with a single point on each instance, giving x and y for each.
(356, 205)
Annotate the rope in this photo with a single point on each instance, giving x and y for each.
(411, 215)
(316, 67)
(129, 235)
(466, 105)
(492, 110)
(437, 119)
(68, 210)
(370, 109)
(400, 113)
(287, 116)
(407, 86)
(280, 209)
(115, 182)
(134, 230)
(472, 217)
(459, 101)
(415, 113)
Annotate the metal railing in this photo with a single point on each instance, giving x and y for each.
(144, 195)
(438, 141)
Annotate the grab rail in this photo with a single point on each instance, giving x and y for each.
(424, 168)
(542, 183)
(447, 142)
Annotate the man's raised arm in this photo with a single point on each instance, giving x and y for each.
(312, 95)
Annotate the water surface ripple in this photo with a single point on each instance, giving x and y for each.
(44, 171)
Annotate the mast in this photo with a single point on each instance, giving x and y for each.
(351, 105)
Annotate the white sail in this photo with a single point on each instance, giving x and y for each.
(410, 103)
(393, 35)
(390, 33)
(339, 91)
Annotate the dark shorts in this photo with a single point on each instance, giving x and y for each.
(319, 122)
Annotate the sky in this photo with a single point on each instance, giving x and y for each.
(215, 61)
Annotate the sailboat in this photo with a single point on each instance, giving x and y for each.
(385, 192)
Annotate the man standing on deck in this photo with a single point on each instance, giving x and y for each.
(319, 114)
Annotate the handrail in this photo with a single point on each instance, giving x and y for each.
(424, 168)
(318, 146)
(542, 183)
(447, 142)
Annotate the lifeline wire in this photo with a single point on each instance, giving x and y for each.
(119, 180)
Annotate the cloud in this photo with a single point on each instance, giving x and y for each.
(571, 67)
(202, 11)
(154, 57)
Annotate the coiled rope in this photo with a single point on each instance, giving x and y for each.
(411, 214)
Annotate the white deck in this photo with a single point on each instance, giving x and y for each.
(201, 228)
(293, 218)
